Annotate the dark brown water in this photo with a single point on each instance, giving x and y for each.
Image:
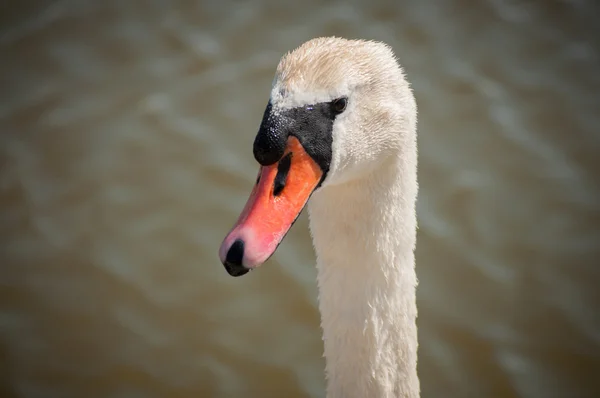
(125, 156)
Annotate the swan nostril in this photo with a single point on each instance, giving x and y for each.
(233, 260)
(283, 168)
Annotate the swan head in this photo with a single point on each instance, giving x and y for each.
(338, 109)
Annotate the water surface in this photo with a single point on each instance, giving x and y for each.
(125, 152)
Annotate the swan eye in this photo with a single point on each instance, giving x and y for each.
(339, 105)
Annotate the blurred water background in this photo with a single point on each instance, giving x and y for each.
(125, 156)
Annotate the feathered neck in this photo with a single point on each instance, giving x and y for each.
(364, 234)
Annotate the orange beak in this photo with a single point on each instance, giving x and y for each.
(280, 194)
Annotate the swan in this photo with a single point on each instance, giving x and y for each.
(340, 129)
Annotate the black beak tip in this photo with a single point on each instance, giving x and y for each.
(235, 269)
(233, 260)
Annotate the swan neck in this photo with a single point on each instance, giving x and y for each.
(364, 234)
